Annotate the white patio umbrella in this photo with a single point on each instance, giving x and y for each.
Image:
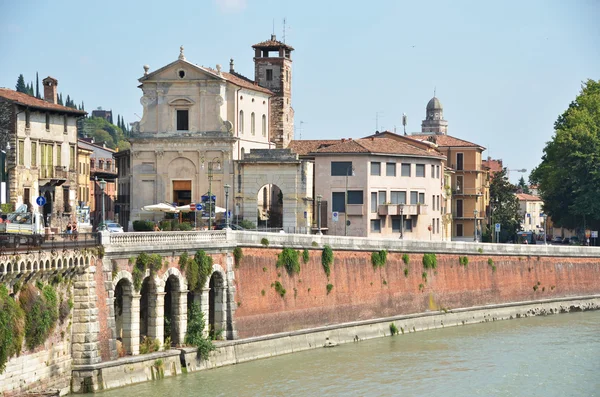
(186, 208)
(161, 207)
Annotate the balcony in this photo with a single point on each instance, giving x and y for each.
(406, 209)
(467, 192)
(57, 175)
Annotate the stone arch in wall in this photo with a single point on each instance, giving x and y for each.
(217, 303)
(175, 306)
(151, 307)
(278, 167)
(126, 313)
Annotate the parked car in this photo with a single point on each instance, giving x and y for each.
(574, 241)
(557, 240)
(221, 226)
(112, 227)
(566, 240)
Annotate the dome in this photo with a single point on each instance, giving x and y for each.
(434, 103)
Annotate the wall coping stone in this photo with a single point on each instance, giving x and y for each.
(127, 360)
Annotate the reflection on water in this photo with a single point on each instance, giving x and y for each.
(539, 356)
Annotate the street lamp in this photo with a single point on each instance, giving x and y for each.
(350, 168)
(227, 205)
(475, 224)
(521, 170)
(319, 198)
(211, 166)
(545, 229)
(4, 156)
(102, 184)
(401, 221)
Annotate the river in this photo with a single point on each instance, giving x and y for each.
(556, 355)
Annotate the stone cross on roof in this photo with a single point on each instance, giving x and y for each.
(181, 56)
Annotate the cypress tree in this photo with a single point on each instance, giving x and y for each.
(82, 106)
(21, 87)
(68, 102)
(60, 101)
(31, 92)
(37, 86)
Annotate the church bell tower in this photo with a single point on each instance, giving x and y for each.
(434, 118)
(273, 70)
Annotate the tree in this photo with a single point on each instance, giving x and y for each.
(568, 177)
(59, 99)
(104, 132)
(21, 87)
(504, 205)
(523, 186)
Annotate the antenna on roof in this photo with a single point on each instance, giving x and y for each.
(434, 91)
(300, 129)
(377, 120)
(284, 29)
(404, 121)
(273, 26)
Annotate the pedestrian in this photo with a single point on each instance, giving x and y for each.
(69, 228)
(74, 230)
(156, 228)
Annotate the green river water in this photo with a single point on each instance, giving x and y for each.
(556, 355)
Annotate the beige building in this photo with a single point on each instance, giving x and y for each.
(198, 121)
(83, 186)
(42, 160)
(382, 186)
(530, 209)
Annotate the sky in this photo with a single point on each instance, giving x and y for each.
(503, 71)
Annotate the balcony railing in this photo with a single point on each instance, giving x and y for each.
(53, 172)
(467, 192)
(406, 209)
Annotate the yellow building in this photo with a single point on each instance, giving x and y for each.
(83, 185)
(469, 178)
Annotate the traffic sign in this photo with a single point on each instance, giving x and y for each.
(41, 201)
(497, 227)
(192, 207)
(588, 233)
(594, 234)
(335, 216)
(199, 207)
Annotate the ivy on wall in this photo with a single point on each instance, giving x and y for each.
(327, 259)
(197, 269)
(142, 262)
(12, 327)
(289, 258)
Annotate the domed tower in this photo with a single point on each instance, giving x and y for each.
(434, 118)
(273, 70)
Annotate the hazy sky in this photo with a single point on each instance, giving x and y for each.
(503, 70)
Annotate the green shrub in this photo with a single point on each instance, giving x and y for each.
(195, 332)
(315, 244)
(305, 256)
(327, 259)
(288, 258)
(41, 313)
(421, 287)
(480, 250)
(149, 345)
(12, 327)
(424, 276)
(379, 259)
(278, 288)
(144, 261)
(463, 260)
(429, 261)
(405, 259)
(165, 226)
(493, 268)
(246, 224)
(405, 272)
(329, 288)
(490, 261)
(238, 255)
(393, 329)
(185, 227)
(264, 241)
(143, 226)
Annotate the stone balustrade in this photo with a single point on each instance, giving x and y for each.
(12, 265)
(118, 241)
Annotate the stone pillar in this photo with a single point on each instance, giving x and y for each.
(231, 307)
(204, 308)
(221, 310)
(85, 346)
(131, 324)
(156, 316)
(179, 316)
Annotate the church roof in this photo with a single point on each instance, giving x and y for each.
(527, 197)
(272, 44)
(446, 140)
(304, 147)
(33, 102)
(434, 103)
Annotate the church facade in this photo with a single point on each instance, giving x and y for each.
(198, 122)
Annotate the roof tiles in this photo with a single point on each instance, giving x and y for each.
(28, 100)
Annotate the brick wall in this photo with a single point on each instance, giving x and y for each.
(359, 292)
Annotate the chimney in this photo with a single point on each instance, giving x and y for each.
(273, 38)
(50, 93)
(231, 68)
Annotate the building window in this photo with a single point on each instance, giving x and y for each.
(287, 75)
(398, 198)
(373, 202)
(459, 161)
(341, 168)
(433, 201)
(459, 230)
(59, 155)
(21, 152)
(264, 125)
(252, 124)
(459, 184)
(420, 171)
(47, 121)
(459, 208)
(337, 202)
(375, 225)
(182, 120)
(405, 170)
(414, 197)
(396, 222)
(375, 168)
(421, 198)
(355, 197)
(241, 122)
(437, 172)
(390, 169)
(433, 171)
(72, 157)
(65, 123)
(382, 197)
(33, 154)
(408, 225)
(27, 118)
(269, 74)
